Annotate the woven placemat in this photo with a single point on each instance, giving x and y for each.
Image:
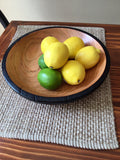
(85, 123)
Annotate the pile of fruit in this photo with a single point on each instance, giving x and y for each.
(66, 61)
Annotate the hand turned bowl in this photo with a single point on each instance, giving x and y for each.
(20, 66)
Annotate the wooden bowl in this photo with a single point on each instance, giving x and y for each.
(20, 66)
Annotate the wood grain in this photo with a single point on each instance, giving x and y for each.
(34, 150)
(22, 62)
(18, 149)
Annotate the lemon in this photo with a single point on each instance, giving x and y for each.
(74, 44)
(88, 56)
(73, 72)
(46, 42)
(56, 55)
(49, 78)
(41, 62)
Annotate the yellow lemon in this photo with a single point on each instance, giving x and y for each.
(46, 42)
(88, 56)
(73, 72)
(56, 55)
(74, 44)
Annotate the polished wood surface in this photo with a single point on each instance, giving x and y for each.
(19, 149)
(22, 62)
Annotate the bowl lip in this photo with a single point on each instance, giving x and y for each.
(54, 100)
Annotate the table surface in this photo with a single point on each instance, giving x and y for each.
(20, 149)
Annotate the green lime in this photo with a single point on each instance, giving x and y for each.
(41, 62)
(49, 78)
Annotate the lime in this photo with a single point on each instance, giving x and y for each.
(56, 55)
(49, 78)
(74, 44)
(46, 42)
(41, 62)
(73, 72)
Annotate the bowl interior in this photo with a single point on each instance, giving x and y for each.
(22, 62)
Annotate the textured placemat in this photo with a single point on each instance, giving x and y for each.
(86, 123)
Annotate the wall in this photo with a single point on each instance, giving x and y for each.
(86, 11)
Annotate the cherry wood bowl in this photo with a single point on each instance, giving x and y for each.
(20, 66)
